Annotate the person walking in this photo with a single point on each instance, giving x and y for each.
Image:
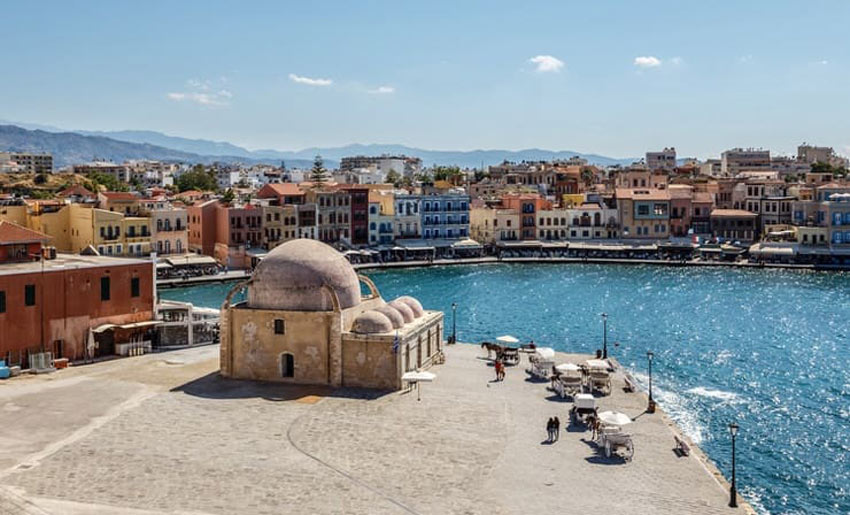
(497, 366)
(550, 433)
(501, 370)
(557, 426)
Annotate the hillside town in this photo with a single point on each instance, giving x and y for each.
(82, 249)
(747, 204)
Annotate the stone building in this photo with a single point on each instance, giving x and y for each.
(306, 321)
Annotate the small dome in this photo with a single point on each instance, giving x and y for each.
(393, 314)
(291, 277)
(404, 309)
(414, 305)
(371, 322)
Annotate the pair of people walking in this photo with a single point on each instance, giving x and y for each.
(553, 429)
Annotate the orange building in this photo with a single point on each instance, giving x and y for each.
(527, 205)
(50, 306)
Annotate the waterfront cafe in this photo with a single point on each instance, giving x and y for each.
(467, 248)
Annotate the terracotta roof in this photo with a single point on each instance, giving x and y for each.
(75, 190)
(13, 233)
(732, 212)
(118, 195)
(284, 188)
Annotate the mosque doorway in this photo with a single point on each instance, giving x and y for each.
(287, 365)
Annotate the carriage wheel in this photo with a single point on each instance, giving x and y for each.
(631, 450)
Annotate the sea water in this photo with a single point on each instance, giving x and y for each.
(768, 349)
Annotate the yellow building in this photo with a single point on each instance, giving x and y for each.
(572, 199)
(306, 321)
(280, 224)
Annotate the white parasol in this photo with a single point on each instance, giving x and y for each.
(507, 339)
(614, 418)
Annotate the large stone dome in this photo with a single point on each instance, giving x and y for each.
(291, 277)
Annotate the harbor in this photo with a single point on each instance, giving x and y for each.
(469, 446)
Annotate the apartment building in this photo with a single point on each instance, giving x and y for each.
(643, 213)
(280, 224)
(170, 230)
(29, 162)
(443, 215)
(736, 160)
(663, 160)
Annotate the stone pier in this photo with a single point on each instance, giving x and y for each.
(164, 434)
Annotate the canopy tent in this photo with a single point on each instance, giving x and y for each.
(597, 363)
(163, 266)
(135, 325)
(544, 353)
(567, 367)
(584, 401)
(507, 339)
(614, 418)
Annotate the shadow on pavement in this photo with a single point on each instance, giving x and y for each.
(213, 386)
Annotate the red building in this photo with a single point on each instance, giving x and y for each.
(19, 243)
(237, 230)
(202, 227)
(359, 214)
(50, 306)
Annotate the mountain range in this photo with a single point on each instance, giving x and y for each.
(69, 147)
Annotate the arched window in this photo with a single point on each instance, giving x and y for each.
(597, 219)
(287, 365)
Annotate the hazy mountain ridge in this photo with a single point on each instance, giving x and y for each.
(156, 145)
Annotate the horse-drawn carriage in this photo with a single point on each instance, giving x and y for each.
(567, 380)
(598, 377)
(542, 364)
(584, 409)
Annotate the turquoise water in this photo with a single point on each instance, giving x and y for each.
(766, 348)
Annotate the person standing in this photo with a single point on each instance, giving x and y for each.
(497, 367)
(549, 430)
(557, 427)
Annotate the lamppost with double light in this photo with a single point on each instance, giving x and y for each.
(651, 407)
(454, 322)
(604, 335)
(733, 492)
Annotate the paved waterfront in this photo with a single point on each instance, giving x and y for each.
(164, 434)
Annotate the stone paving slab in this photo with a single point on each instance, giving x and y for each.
(197, 443)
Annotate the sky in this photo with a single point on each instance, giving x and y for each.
(614, 78)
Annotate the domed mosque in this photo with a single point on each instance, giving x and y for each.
(306, 321)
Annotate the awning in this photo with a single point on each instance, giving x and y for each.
(466, 244)
(163, 266)
(135, 325)
(520, 244)
(191, 260)
(773, 251)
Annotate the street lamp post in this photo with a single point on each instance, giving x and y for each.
(454, 322)
(604, 335)
(651, 407)
(733, 492)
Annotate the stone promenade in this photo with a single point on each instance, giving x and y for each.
(163, 434)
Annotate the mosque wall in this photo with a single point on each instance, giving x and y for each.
(255, 350)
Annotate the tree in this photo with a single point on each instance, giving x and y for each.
(197, 179)
(587, 176)
(108, 181)
(228, 196)
(40, 179)
(394, 178)
(318, 174)
(451, 174)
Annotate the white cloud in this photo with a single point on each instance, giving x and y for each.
(310, 82)
(647, 61)
(382, 90)
(207, 99)
(823, 62)
(676, 61)
(546, 63)
(202, 92)
(745, 58)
